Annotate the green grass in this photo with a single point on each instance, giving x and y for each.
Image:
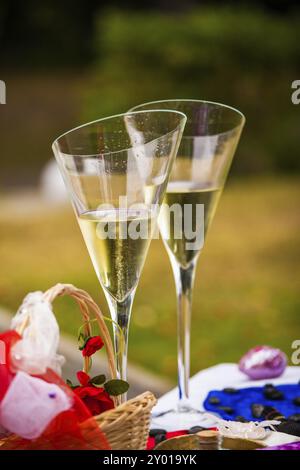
(246, 290)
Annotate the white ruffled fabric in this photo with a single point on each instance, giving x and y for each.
(37, 350)
(30, 404)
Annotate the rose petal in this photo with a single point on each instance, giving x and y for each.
(83, 377)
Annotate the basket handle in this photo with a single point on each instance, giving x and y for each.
(87, 307)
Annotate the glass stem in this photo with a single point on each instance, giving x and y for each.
(184, 280)
(120, 314)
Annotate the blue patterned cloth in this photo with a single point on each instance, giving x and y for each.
(242, 400)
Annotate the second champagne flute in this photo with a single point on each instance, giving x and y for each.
(197, 179)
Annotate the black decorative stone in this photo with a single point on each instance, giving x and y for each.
(273, 394)
(159, 438)
(230, 390)
(295, 417)
(289, 427)
(154, 432)
(269, 386)
(257, 410)
(226, 409)
(214, 400)
(241, 419)
(296, 401)
(271, 413)
(195, 429)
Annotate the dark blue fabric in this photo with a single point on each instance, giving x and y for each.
(242, 400)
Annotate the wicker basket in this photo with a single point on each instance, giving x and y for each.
(127, 425)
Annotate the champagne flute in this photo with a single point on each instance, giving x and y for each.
(197, 179)
(116, 171)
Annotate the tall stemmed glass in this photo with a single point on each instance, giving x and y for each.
(116, 171)
(198, 176)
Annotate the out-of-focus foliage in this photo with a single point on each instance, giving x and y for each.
(44, 33)
(245, 58)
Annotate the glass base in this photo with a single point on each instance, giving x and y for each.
(183, 417)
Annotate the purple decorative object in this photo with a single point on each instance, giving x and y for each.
(263, 362)
(290, 446)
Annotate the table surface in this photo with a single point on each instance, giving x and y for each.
(216, 378)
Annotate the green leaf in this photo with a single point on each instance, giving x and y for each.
(98, 379)
(116, 387)
(68, 382)
(81, 336)
(84, 340)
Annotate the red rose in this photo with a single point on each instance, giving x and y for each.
(83, 378)
(92, 345)
(96, 399)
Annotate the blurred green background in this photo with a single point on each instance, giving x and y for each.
(66, 64)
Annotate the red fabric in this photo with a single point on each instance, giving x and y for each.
(64, 433)
(9, 338)
(72, 429)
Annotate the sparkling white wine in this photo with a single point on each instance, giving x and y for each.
(117, 241)
(181, 193)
